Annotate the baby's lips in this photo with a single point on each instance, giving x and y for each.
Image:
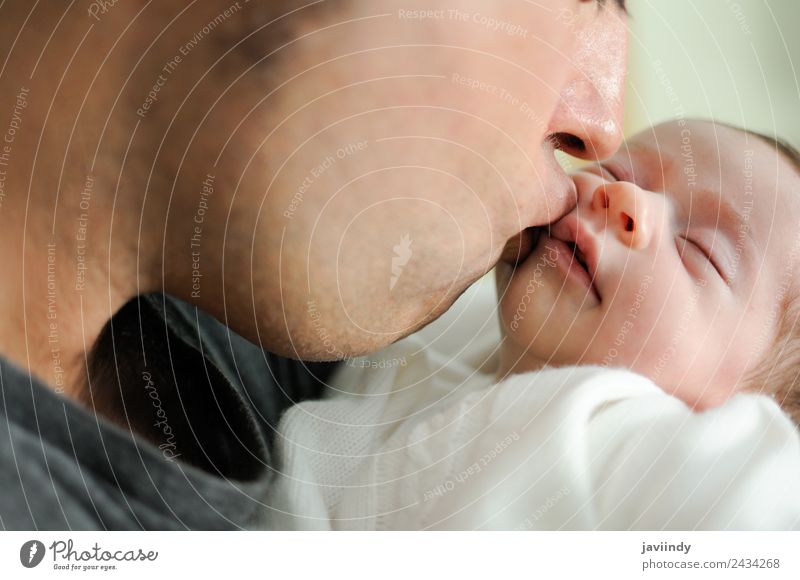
(520, 246)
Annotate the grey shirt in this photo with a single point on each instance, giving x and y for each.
(188, 416)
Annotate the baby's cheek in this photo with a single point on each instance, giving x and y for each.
(636, 329)
(678, 361)
(653, 349)
(737, 358)
(528, 294)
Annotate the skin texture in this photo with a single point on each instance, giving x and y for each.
(430, 175)
(660, 306)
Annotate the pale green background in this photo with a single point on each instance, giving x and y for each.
(736, 61)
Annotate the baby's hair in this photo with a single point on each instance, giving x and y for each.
(789, 152)
(779, 373)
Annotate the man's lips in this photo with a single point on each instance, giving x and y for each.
(520, 246)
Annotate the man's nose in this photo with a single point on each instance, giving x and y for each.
(588, 120)
(627, 212)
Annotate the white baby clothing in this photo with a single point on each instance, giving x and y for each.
(422, 437)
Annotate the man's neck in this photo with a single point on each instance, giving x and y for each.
(62, 212)
(60, 286)
(103, 203)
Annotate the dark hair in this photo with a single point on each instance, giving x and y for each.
(621, 4)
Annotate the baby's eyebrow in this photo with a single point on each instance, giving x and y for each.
(727, 216)
(723, 216)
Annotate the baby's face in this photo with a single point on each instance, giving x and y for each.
(674, 264)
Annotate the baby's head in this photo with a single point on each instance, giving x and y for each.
(679, 262)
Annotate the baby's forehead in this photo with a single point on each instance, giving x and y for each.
(717, 149)
(686, 136)
(714, 140)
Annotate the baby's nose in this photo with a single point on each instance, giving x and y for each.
(626, 212)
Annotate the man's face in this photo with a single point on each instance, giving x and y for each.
(674, 263)
(407, 143)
